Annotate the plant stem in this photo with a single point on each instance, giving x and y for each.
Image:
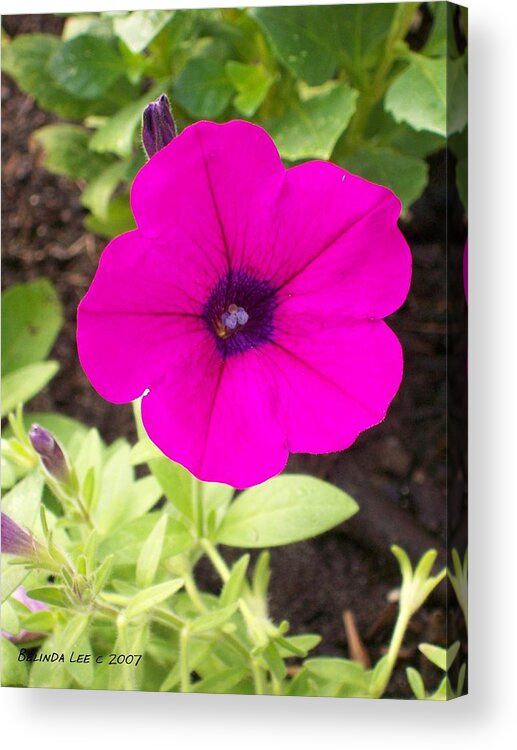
(393, 650)
(258, 677)
(197, 506)
(184, 659)
(215, 558)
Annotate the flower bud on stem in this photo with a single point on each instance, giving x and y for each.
(158, 126)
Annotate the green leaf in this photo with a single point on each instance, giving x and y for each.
(274, 661)
(436, 45)
(81, 671)
(252, 82)
(313, 41)
(213, 620)
(14, 672)
(203, 88)
(150, 554)
(22, 384)
(152, 597)
(126, 541)
(99, 192)
(440, 657)
(49, 595)
(224, 681)
(311, 128)
(65, 151)
(86, 66)
(119, 219)
(338, 677)
(457, 95)
(32, 316)
(416, 683)
(117, 135)
(405, 175)
(27, 59)
(42, 621)
(419, 95)
(233, 587)
(298, 645)
(138, 28)
(284, 509)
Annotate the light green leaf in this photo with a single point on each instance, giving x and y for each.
(150, 554)
(224, 681)
(416, 683)
(419, 95)
(81, 671)
(405, 175)
(86, 66)
(298, 645)
(138, 28)
(143, 451)
(21, 385)
(65, 151)
(9, 618)
(119, 219)
(14, 672)
(49, 595)
(32, 316)
(37, 622)
(284, 509)
(126, 541)
(212, 620)
(440, 657)
(338, 677)
(97, 195)
(90, 455)
(117, 135)
(152, 597)
(233, 587)
(252, 82)
(314, 41)
(311, 128)
(203, 88)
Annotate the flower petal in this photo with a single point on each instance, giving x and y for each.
(140, 312)
(335, 382)
(207, 181)
(219, 418)
(339, 244)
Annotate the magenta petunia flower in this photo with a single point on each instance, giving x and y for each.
(248, 305)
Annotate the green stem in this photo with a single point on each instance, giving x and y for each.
(197, 506)
(393, 651)
(215, 558)
(258, 678)
(184, 659)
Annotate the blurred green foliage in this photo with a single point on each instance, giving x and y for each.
(328, 82)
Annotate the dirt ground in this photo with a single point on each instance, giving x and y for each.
(397, 471)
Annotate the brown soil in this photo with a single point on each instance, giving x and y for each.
(396, 471)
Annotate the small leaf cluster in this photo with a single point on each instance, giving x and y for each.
(327, 82)
(119, 537)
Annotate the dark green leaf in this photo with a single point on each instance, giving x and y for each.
(203, 88)
(405, 175)
(86, 66)
(311, 128)
(27, 59)
(313, 41)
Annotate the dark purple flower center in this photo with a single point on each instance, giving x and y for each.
(240, 313)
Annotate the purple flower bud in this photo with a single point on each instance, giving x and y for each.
(33, 605)
(49, 450)
(16, 541)
(158, 126)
